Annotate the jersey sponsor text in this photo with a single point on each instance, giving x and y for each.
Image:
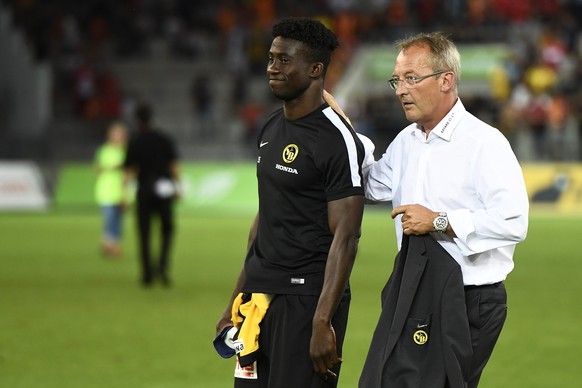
(286, 169)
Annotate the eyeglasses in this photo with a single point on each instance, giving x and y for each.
(410, 81)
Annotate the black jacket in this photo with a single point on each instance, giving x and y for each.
(422, 338)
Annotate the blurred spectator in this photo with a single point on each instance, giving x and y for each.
(152, 158)
(97, 94)
(536, 114)
(109, 95)
(543, 37)
(562, 126)
(109, 160)
(202, 101)
(557, 117)
(513, 121)
(251, 115)
(85, 90)
(551, 47)
(540, 77)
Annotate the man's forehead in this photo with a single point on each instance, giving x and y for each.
(286, 45)
(412, 58)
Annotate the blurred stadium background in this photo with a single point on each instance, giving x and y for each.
(68, 68)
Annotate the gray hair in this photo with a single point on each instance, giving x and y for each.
(443, 52)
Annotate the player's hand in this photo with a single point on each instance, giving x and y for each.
(323, 350)
(416, 219)
(224, 322)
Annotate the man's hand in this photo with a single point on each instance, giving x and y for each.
(416, 219)
(331, 101)
(323, 350)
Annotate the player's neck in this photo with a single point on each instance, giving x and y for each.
(304, 104)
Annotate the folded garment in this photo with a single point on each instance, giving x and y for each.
(248, 311)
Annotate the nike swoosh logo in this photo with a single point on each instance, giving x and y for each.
(263, 143)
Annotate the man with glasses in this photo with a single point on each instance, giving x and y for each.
(452, 176)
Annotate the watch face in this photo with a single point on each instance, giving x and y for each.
(440, 223)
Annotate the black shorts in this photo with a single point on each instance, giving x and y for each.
(284, 340)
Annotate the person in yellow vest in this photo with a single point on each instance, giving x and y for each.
(109, 186)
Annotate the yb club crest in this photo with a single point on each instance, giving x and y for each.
(290, 153)
(420, 337)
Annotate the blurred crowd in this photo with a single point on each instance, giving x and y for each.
(536, 99)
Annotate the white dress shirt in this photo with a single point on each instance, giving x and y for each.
(369, 148)
(467, 169)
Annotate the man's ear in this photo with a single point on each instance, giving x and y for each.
(448, 80)
(316, 70)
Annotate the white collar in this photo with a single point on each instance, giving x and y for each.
(444, 129)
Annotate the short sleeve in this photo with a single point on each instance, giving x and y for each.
(340, 156)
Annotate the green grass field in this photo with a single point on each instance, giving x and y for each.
(71, 318)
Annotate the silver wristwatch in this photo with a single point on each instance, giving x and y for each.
(441, 222)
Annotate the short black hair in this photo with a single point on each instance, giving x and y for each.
(319, 40)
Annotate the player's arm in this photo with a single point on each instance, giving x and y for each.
(345, 219)
(225, 319)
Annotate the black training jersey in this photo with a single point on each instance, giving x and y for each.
(301, 166)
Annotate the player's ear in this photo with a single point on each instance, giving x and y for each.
(316, 70)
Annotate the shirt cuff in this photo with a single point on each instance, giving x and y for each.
(462, 224)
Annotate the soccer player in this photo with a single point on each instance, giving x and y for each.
(303, 242)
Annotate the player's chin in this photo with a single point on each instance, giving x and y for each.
(281, 95)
